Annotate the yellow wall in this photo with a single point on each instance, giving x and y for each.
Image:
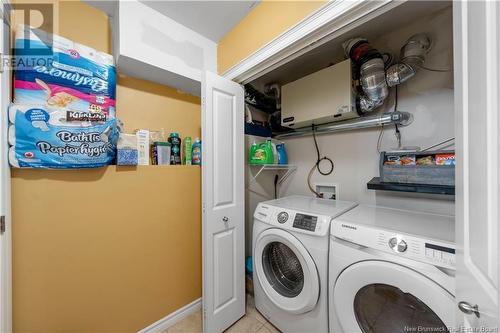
(265, 22)
(104, 250)
(111, 249)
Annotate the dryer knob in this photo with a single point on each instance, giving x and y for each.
(397, 245)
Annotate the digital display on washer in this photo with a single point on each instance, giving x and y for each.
(305, 222)
(439, 248)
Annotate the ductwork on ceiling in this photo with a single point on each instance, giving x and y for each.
(375, 79)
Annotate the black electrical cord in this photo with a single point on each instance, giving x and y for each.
(316, 165)
(276, 177)
(397, 133)
(319, 158)
(395, 99)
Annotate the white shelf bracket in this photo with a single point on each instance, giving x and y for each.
(289, 169)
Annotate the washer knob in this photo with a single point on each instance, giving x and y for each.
(397, 245)
(282, 217)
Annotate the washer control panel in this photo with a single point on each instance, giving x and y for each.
(306, 222)
(293, 220)
(438, 253)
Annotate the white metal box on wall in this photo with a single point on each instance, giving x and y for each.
(322, 97)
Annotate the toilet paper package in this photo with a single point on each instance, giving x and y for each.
(59, 138)
(66, 74)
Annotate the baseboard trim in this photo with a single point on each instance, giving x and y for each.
(173, 318)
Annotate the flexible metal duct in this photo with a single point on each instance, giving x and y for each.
(375, 80)
(274, 89)
(412, 58)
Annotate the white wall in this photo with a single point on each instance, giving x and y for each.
(428, 96)
(260, 190)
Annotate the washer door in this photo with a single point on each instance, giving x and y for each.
(286, 271)
(382, 297)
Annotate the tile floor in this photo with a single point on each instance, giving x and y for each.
(252, 322)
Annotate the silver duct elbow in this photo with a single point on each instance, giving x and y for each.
(375, 80)
(375, 90)
(412, 58)
(372, 78)
(366, 105)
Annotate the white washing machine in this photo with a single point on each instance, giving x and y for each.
(391, 271)
(290, 259)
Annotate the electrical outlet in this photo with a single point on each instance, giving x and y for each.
(328, 190)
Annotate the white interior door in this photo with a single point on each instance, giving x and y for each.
(5, 230)
(476, 39)
(223, 203)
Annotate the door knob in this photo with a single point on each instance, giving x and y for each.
(225, 219)
(468, 309)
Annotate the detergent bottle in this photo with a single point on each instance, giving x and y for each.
(282, 156)
(252, 152)
(175, 151)
(275, 153)
(261, 153)
(196, 152)
(269, 152)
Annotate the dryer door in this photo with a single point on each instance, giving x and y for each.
(381, 297)
(286, 271)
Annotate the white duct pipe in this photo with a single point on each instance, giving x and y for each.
(399, 118)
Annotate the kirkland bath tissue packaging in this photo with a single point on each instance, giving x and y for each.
(44, 138)
(62, 74)
(63, 115)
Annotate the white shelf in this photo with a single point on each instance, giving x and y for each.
(150, 45)
(287, 169)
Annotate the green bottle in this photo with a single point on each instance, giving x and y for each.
(251, 154)
(261, 153)
(269, 152)
(187, 157)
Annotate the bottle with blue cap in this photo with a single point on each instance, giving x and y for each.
(196, 152)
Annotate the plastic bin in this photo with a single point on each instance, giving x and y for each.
(417, 174)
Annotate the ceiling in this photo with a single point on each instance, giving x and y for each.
(212, 19)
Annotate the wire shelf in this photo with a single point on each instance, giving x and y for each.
(287, 168)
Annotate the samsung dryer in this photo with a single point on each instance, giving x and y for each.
(391, 271)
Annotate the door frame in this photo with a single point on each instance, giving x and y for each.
(469, 274)
(5, 200)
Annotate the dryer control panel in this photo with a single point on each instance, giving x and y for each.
(438, 253)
